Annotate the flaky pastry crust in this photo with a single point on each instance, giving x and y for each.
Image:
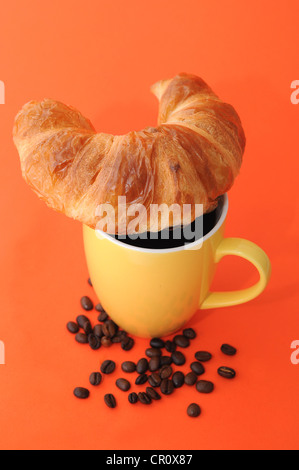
(191, 157)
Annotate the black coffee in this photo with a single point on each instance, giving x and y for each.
(175, 237)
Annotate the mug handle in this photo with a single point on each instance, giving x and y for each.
(251, 252)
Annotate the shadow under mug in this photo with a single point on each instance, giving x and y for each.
(153, 293)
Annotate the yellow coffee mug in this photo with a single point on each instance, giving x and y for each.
(153, 293)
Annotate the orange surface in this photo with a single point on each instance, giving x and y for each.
(102, 57)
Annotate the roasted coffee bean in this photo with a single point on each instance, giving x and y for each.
(152, 393)
(152, 352)
(166, 372)
(189, 333)
(181, 341)
(110, 400)
(81, 320)
(89, 281)
(127, 343)
(197, 368)
(95, 378)
(123, 384)
(86, 303)
(142, 365)
(128, 366)
(170, 346)
(166, 387)
(228, 350)
(99, 307)
(204, 386)
(154, 380)
(81, 392)
(203, 356)
(108, 367)
(144, 398)
(154, 364)
(157, 343)
(81, 338)
(141, 379)
(109, 329)
(133, 398)
(72, 327)
(106, 342)
(193, 410)
(116, 339)
(178, 358)
(103, 317)
(122, 334)
(97, 330)
(227, 372)
(87, 328)
(165, 361)
(94, 342)
(178, 379)
(190, 378)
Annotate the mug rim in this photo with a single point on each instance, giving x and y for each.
(190, 246)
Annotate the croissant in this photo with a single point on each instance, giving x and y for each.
(191, 157)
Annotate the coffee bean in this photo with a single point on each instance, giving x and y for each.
(81, 392)
(165, 361)
(170, 346)
(197, 368)
(166, 372)
(178, 379)
(89, 281)
(94, 342)
(141, 379)
(81, 338)
(81, 320)
(123, 384)
(86, 303)
(99, 307)
(228, 350)
(72, 327)
(166, 387)
(227, 372)
(152, 393)
(178, 358)
(154, 364)
(87, 327)
(142, 365)
(97, 330)
(189, 333)
(181, 341)
(95, 378)
(152, 352)
(154, 380)
(190, 378)
(204, 386)
(106, 342)
(144, 398)
(133, 398)
(127, 343)
(110, 400)
(128, 366)
(103, 317)
(157, 343)
(193, 410)
(116, 339)
(203, 356)
(109, 329)
(108, 367)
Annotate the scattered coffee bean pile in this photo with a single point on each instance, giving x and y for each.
(156, 368)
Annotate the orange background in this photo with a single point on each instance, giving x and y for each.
(101, 57)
